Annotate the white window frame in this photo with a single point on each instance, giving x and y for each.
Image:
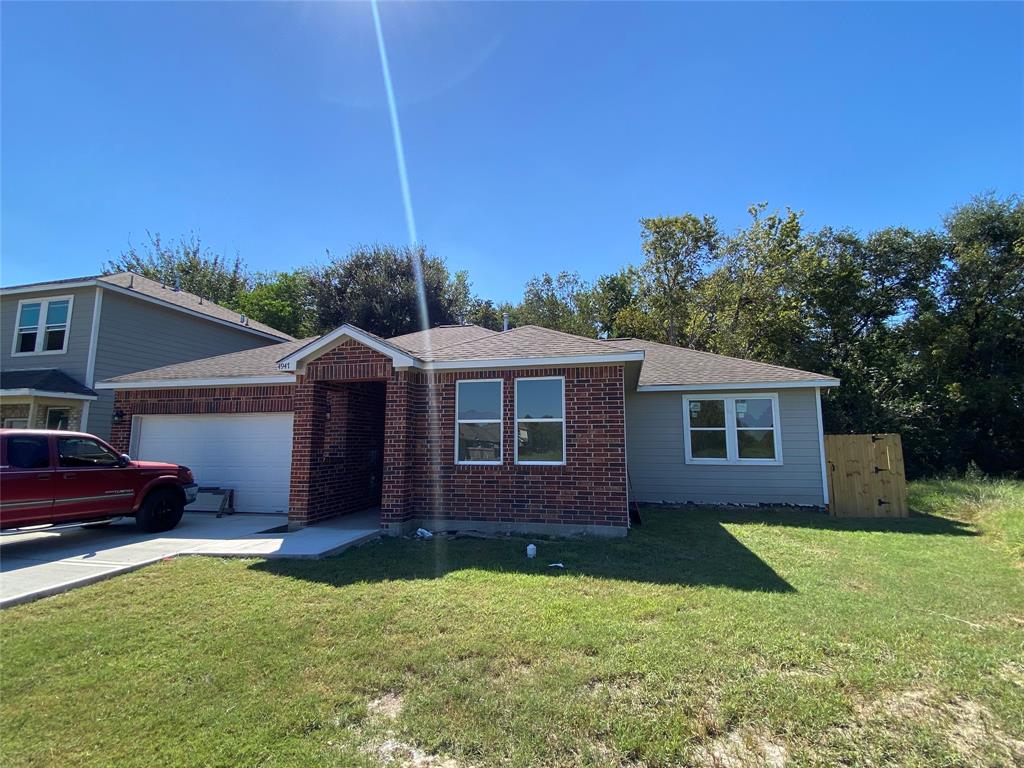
(563, 420)
(731, 430)
(499, 421)
(44, 305)
(10, 423)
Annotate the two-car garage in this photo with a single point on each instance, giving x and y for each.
(249, 453)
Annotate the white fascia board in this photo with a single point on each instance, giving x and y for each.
(187, 383)
(559, 361)
(44, 393)
(45, 287)
(725, 385)
(293, 361)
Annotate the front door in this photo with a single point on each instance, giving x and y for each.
(89, 480)
(27, 475)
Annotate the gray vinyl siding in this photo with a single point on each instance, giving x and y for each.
(658, 471)
(136, 335)
(74, 361)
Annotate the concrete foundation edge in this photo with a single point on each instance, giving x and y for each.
(436, 525)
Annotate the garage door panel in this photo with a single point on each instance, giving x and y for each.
(250, 453)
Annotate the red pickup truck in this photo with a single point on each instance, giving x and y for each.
(56, 478)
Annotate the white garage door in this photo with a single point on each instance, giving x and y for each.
(250, 453)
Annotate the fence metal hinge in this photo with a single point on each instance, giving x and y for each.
(882, 501)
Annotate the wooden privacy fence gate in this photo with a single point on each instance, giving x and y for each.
(865, 476)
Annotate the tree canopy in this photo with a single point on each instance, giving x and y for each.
(925, 329)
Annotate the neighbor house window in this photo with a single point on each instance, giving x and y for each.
(734, 429)
(478, 421)
(58, 418)
(42, 326)
(540, 421)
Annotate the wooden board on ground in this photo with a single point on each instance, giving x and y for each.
(865, 476)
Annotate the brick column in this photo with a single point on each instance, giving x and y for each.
(307, 448)
(397, 481)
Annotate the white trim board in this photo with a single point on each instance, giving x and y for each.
(821, 447)
(738, 386)
(25, 392)
(186, 383)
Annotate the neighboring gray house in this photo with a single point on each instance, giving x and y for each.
(58, 338)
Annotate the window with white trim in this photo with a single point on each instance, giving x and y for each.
(478, 421)
(540, 420)
(43, 326)
(732, 429)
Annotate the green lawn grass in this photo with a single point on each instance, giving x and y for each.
(704, 638)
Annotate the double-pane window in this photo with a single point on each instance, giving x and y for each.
(732, 429)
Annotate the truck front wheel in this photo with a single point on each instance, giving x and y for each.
(160, 511)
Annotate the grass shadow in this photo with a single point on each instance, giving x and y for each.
(917, 523)
(672, 547)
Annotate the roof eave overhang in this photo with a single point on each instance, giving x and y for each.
(29, 392)
(232, 381)
(730, 385)
(297, 360)
(42, 287)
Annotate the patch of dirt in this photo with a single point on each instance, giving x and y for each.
(1013, 672)
(388, 706)
(627, 688)
(742, 748)
(394, 752)
(968, 726)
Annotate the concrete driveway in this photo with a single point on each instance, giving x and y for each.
(34, 565)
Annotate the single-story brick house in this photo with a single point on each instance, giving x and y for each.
(462, 427)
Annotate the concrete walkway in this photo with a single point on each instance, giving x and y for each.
(34, 565)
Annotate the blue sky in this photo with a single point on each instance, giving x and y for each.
(536, 135)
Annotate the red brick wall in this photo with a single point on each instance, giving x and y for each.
(337, 457)
(338, 447)
(248, 399)
(590, 489)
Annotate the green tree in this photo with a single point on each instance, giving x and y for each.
(374, 287)
(563, 302)
(187, 264)
(282, 300)
(678, 250)
(976, 342)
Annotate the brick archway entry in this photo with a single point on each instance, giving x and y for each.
(350, 437)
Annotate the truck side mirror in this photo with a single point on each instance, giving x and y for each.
(124, 460)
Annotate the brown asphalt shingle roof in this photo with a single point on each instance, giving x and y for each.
(438, 338)
(663, 365)
(261, 361)
(666, 365)
(182, 299)
(524, 341)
